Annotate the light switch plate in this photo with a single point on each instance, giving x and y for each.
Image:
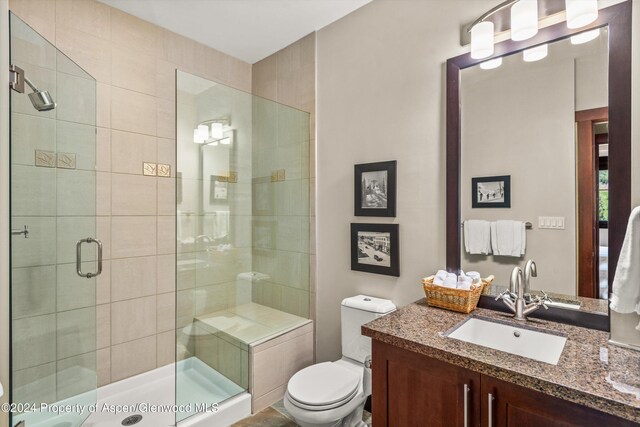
(551, 222)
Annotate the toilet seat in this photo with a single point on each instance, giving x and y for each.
(323, 386)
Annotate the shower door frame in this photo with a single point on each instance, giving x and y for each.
(7, 235)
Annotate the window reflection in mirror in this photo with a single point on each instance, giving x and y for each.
(521, 120)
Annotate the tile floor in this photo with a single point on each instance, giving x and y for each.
(277, 416)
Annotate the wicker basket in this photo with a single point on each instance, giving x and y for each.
(486, 285)
(454, 299)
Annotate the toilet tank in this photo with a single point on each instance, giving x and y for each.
(355, 312)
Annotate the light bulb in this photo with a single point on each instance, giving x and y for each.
(585, 37)
(482, 40)
(491, 64)
(203, 132)
(535, 53)
(581, 12)
(524, 20)
(216, 130)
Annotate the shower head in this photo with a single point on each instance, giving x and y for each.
(41, 99)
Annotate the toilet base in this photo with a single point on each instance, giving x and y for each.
(353, 419)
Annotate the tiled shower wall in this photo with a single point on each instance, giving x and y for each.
(134, 64)
(288, 77)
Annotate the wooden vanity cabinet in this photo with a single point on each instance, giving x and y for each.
(413, 390)
(515, 406)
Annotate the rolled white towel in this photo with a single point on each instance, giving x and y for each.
(464, 282)
(438, 279)
(451, 281)
(475, 276)
(464, 285)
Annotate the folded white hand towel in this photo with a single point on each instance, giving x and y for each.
(464, 282)
(464, 286)
(625, 296)
(477, 237)
(475, 276)
(451, 281)
(508, 238)
(439, 277)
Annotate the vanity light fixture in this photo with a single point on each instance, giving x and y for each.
(491, 64)
(524, 20)
(201, 134)
(482, 32)
(212, 132)
(585, 37)
(482, 40)
(217, 130)
(581, 12)
(524, 25)
(535, 53)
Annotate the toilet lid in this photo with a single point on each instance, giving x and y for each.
(323, 384)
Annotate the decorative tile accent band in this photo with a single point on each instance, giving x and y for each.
(45, 159)
(279, 175)
(66, 160)
(164, 170)
(149, 169)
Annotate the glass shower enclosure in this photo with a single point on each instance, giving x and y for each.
(242, 246)
(242, 201)
(54, 253)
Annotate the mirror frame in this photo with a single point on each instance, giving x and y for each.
(618, 19)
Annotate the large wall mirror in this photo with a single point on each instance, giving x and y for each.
(547, 143)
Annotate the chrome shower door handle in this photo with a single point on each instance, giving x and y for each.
(79, 257)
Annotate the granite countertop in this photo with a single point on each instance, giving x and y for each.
(590, 371)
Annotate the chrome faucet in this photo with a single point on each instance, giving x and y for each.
(514, 297)
(530, 270)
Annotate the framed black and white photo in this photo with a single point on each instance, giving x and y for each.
(375, 189)
(219, 187)
(491, 192)
(374, 248)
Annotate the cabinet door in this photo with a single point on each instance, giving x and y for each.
(410, 389)
(515, 406)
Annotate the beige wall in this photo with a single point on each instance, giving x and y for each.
(518, 120)
(381, 96)
(134, 63)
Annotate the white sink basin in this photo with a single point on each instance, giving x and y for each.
(512, 339)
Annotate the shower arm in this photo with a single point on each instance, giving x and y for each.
(30, 83)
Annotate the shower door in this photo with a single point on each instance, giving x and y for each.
(54, 254)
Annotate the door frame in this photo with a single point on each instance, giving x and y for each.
(587, 200)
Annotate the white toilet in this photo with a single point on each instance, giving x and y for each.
(333, 394)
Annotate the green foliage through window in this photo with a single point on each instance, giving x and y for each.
(603, 195)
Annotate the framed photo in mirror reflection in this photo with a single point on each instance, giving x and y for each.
(491, 192)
